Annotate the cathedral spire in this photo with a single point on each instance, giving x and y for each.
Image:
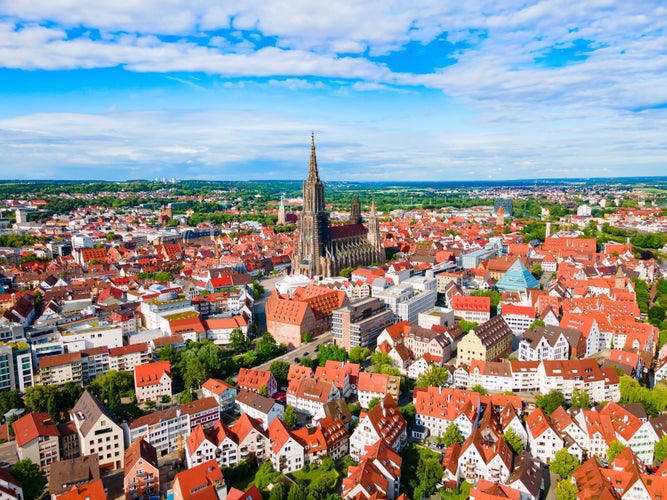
(312, 169)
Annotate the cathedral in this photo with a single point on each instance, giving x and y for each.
(323, 250)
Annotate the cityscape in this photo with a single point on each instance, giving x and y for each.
(300, 251)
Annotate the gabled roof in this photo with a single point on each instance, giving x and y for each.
(216, 386)
(32, 426)
(140, 450)
(151, 373)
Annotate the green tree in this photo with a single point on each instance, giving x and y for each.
(10, 421)
(452, 435)
(263, 391)
(550, 401)
(297, 492)
(290, 417)
(163, 277)
(195, 373)
(331, 352)
(265, 475)
(10, 400)
(266, 347)
(434, 376)
(564, 463)
(408, 412)
(479, 388)
(359, 354)
(656, 314)
(372, 403)
(660, 449)
(565, 490)
(580, 399)
(379, 359)
(238, 342)
(429, 473)
(111, 385)
(165, 399)
(306, 337)
(280, 369)
(536, 270)
(466, 326)
(309, 362)
(346, 272)
(53, 406)
(36, 398)
(279, 491)
(514, 442)
(39, 303)
(169, 353)
(31, 477)
(615, 448)
(537, 322)
(187, 396)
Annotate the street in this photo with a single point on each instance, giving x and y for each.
(8, 452)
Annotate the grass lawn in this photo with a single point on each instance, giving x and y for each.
(305, 478)
(460, 493)
(412, 454)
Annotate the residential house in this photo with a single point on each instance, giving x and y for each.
(259, 407)
(384, 421)
(489, 341)
(254, 380)
(152, 381)
(221, 391)
(142, 475)
(204, 477)
(543, 438)
(98, 433)
(287, 452)
(309, 395)
(436, 408)
(376, 386)
(551, 342)
(472, 308)
(37, 439)
(483, 457)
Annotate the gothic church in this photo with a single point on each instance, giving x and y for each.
(324, 250)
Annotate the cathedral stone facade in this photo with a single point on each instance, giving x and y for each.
(324, 250)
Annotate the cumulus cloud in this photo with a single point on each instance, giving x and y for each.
(540, 81)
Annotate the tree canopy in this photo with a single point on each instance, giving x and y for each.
(434, 376)
(564, 463)
(549, 402)
(31, 477)
(452, 435)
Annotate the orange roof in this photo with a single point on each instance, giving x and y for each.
(128, 349)
(216, 386)
(471, 303)
(93, 489)
(253, 379)
(446, 403)
(298, 372)
(151, 373)
(204, 476)
(373, 382)
(33, 425)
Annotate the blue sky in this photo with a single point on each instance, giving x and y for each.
(393, 90)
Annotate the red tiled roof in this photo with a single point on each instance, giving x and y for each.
(32, 426)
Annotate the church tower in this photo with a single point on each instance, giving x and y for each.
(355, 211)
(313, 223)
(374, 237)
(281, 211)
